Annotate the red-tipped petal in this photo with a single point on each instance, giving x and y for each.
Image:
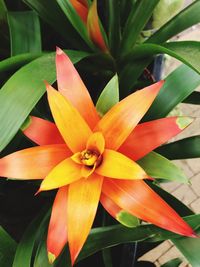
(81, 8)
(72, 87)
(94, 29)
(149, 135)
(33, 163)
(57, 232)
(140, 200)
(120, 120)
(43, 132)
(72, 126)
(82, 205)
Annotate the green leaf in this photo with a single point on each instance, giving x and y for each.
(194, 98)
(53, 15)
(109, 96)
(186, 148)
(127, 219)
(7, 248)
(186, 51)
(137, 21)
(157, 166)
(25, 249)
(24, 26)
(178, 85)
(15, 62)
(165, 10)
(76, 21)
(173, 263)
(41, 259)
(185, 19)
(190, 248)
(3, 12)
(113, 8)
(109, 236)
(26, 86)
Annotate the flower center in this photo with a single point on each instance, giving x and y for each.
(89, 158)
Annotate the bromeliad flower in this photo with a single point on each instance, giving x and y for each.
(91, 158)
(90, 18)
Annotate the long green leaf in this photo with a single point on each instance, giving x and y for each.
(194, 98)
(157, 166)
(25, 248)
(183, 149)
(26, 87)
(53, 15)
(109, 236)
(7, 248)
(24, 26)
(109, 96)
(15, 62)
(75, 20)
(136, 22)
(185, 19)
(178, 85)
(3, 12)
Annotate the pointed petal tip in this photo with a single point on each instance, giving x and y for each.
(59, 51)
(51, 257)
(183, 122)
(195, 235)
(39, 190)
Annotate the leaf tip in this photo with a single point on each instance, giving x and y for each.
(51, 257)
(59, 51)
(183, 122)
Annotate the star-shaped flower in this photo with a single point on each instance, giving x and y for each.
(91, 158)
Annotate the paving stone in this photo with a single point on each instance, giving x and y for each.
(194, 166)
(155, 253)
(196, 205)
(170, 186)
(171, 254)
(195, 184)
(185, 194)
(185, 167)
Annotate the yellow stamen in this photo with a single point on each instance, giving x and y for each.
(88, 157)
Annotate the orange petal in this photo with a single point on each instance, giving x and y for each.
(116, 165)
(81, 9)
(119, 122)
(149, 135)
(64, 173)
(57, 232)
(71, 125)
(72, 87)
(33, 163)
(140, 200)
(43, 132)
(96, 142)
(82, 206)
(94, 29)
(112, 208)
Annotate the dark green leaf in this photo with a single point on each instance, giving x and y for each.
(173, 263)
(25, 248)
(190, 248)
(194, 98)
(26, 86)
(109, 236)
(7, 249)
(53, 15)
(15, 62)
(178, 85)
(157, 166)
(75, 20)
(3, 12)
(183, 149)
(185, 19)
(113, 26)
(136, 23)
(24, 26)
(109, 96)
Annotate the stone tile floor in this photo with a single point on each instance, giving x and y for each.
(189, 194)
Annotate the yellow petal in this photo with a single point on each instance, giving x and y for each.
(96, 142)
(116, 165)
(83, 201)
(63, 174)
(71, 125)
